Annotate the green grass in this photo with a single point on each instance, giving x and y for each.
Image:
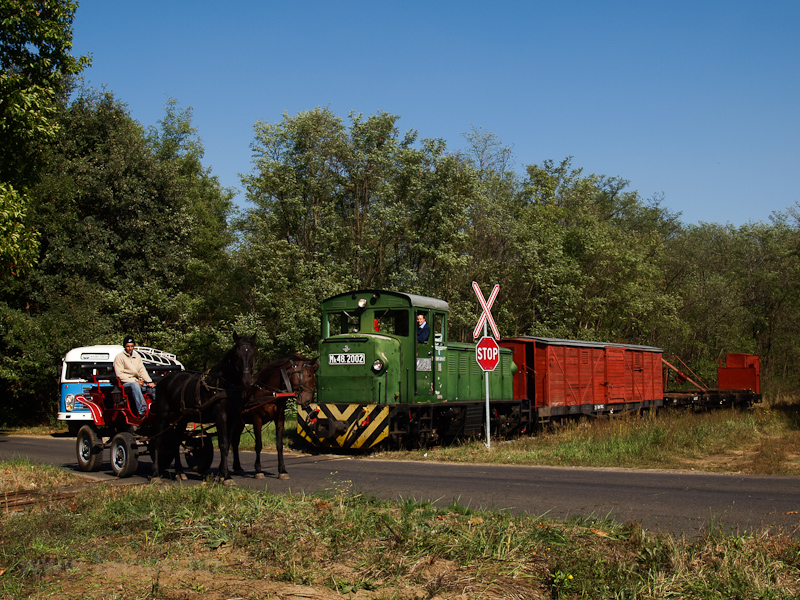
(171, 541)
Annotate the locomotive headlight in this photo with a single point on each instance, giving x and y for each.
(69, 402)
(362, 302)
(377, 366)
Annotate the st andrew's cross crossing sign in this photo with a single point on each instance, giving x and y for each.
(487, 353)
(486, 315)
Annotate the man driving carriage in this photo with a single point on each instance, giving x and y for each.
(129, 367)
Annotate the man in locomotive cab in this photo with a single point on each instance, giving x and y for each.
(423, 329)
(129, 367)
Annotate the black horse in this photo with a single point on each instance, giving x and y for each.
(293, 374)
(215, 396)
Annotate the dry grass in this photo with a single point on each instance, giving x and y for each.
(23, 476)
(763, 440)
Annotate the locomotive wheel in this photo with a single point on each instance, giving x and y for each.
(123, 454)
(89, 448)
(199, 454)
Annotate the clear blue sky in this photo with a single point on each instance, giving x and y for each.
(696, 100)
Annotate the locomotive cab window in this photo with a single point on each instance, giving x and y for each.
(343, 322)
(422, 338)
(393, 322)
(438, 329)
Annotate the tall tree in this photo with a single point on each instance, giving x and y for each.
(36, 70)
(117, 219)
(209, 273)
(357, 206)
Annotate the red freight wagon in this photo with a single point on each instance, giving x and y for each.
(563, 377)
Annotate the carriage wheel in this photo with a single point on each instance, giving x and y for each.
(123, 454)
(199, 454)
(89, 448)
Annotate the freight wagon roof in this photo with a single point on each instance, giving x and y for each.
(583, 343)
(413, 300)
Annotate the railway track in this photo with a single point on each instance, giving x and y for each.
(22, 499)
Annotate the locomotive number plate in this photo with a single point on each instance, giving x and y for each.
(353, 358)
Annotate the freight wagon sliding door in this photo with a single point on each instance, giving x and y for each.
(635, 375)
(615, 374)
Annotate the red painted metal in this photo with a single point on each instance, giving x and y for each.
(741, 372)
(683, 377)
(570, 376)
(487, 353)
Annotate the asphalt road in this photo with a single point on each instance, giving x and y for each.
(680, 502)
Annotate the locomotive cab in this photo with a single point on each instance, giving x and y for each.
(369, 351)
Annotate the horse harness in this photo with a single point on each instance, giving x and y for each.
(203, 384)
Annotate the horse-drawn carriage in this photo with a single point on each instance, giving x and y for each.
(188, 411)
(117, 427)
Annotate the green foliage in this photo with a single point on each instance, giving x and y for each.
(134, 232)
(738, 291)
(36, 69)
(339, 208)
(20, 245)
(136, 239)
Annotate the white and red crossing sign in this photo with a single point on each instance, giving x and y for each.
(486, 315)
(487, 353)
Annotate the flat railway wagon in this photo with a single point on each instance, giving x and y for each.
(738, 385)
(377, 384)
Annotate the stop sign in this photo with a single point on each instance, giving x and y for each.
(487, 353)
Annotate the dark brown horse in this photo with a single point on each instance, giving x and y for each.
(216, 396)
(292, 375)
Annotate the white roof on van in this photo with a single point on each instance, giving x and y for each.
(103, 353)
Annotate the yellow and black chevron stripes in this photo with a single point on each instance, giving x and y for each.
(346, 426)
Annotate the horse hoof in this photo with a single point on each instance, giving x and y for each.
(259, 475)
(156, 481)
(183, 477)
(284, 476)
(229, 482)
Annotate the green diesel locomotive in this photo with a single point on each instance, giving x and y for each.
(378, 383)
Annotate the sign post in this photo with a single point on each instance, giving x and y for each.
(487, 352)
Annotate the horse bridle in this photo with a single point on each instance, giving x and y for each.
(296, 367)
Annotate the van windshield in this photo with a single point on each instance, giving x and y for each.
(87, 371)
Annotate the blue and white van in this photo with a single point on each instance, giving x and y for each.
(87, 367)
